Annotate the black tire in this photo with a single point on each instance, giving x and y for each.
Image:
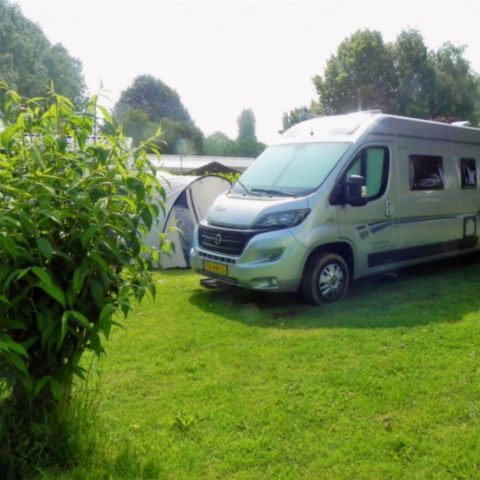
(325, 279)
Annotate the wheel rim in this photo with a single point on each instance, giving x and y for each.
(331, 281)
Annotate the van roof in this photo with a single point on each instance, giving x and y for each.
(350, 127)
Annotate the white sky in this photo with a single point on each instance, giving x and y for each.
(222, 57)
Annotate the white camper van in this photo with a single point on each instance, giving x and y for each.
(342, 197)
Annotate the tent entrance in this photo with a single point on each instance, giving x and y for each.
(187, 201)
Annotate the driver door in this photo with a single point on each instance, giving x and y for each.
(370, 227)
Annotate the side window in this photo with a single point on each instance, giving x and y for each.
(426, 172)
(468, 171)
(371, 163)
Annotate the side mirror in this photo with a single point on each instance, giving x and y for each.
(354, 190)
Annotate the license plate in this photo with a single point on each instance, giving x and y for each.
(216, 268)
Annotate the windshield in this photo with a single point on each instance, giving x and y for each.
(292, 169)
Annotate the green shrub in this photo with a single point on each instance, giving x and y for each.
(74, 208)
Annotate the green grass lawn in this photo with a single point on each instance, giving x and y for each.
(228, 384)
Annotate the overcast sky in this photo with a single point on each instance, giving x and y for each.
(222, 57)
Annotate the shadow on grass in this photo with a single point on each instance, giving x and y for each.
(443, 291)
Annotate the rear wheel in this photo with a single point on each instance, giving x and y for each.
(325, 279)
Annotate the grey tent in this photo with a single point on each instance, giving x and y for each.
(187, 201)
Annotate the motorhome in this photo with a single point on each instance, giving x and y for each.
(342, 197)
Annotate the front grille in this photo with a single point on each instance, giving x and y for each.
(217, 258)
(226, 241)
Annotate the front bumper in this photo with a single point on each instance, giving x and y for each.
(270, 261)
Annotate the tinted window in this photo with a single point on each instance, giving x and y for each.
(468, 170)
(426, 172)
(372, 164)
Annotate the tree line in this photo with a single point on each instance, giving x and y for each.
(402, 78)
(149, 105)
(29, 63)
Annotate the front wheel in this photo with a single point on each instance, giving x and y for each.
(325, 279)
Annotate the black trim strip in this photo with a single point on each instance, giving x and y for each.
(374, 228)
(426, 219)
(422, 251)
(382, 224)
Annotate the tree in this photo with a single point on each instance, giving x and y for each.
(295, 116)
(162, 108)
(359, 77)
(246, 125)
(247, 144)
(29, 63)
(180, 138)
(402, 78)
(248, 147)
(65, 72)
(137, 125)
(415, 75)
(153, 97)
(218, 144)
(456, 88)
(74, 211)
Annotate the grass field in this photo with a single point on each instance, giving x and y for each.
(228, 384)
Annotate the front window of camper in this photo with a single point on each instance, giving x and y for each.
(372, 164)
(293, 169)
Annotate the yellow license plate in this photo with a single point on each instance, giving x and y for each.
(216, 268)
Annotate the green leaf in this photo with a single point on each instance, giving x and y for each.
(8, 133)
(80, 319)
(54, 218)
(42, 275)
(97, 257)
(47, 337)
(147, 218)
(95, 342)
(97, 291)
(7, 344)
(16, 361)
(79, 277)
(30, 342)
(41, 384)
(48, 285)
(63, 329)
(9, 245)
(105, 113)
(4, 299)
(105, 318)
(45, 247)
(88, 234)
(80, 372)
(56, 388)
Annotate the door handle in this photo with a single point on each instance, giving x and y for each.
(388, 208)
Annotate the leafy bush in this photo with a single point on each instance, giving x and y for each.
(73, 211)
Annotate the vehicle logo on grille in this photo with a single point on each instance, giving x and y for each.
(218, 239)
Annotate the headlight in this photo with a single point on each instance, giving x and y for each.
(287, 219)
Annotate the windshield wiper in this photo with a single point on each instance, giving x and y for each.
(273, 192)
(250, 192)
